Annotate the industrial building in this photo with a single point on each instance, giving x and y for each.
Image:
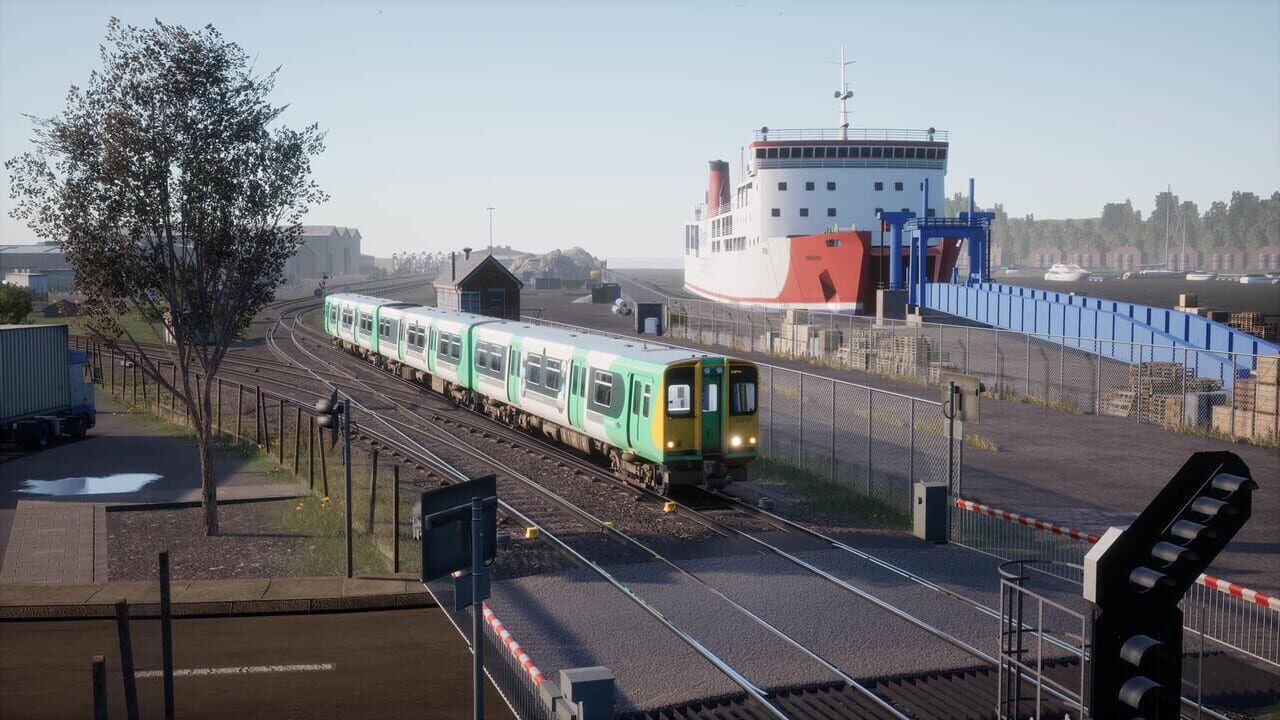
(330, 250)
(32, 260)
(479, 283)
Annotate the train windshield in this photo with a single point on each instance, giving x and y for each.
(742, 389)
(680, 392)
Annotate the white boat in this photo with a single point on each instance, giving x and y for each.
(1066, 272)
(1202, 275)
(1256, 280)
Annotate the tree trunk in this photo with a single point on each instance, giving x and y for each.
(204, 440)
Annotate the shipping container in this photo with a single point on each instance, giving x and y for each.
(34, 371)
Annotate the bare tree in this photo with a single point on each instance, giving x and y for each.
(174, 194)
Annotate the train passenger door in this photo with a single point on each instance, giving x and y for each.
(712, 420)
(633, 414)
(577, 394)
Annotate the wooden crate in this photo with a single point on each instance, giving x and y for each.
(1269, 369)
(1119, 403)
(1244, 393)
(1164, 410)
(1267, 399)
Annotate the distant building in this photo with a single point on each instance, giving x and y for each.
(45, 259)
(1126, 257)
(1044, 257)
(479, 283)
(1195, 259)
(36, 283)
(1268, 259)
(330, 250)
(1226, 259)
(1087, 258)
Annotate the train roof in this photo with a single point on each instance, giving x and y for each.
(366, 299)
(637, 349)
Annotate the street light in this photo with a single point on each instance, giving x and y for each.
(490, 229)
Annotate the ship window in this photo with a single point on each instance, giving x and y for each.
(879, 186)
(776, 212)
(897, 186)
(820, 152)
(773, 153)
(878, 211)
(942, 153)
(831, 212)
(932, 212)
(899, 152)
(931, 153)
(759, 153)
(782, 186)
(877, 152)
(911, 153)
(808, 186)
(906, 209)
(864, 152)
(833, 242)
(842, 152)
(804, 212)
(808, 152)
(831, 186)
(785, 153)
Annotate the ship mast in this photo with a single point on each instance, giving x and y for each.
(843, 96)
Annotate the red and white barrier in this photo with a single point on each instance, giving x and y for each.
(513, 647)
(1213, 583)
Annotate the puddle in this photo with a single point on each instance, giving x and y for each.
(109, 484)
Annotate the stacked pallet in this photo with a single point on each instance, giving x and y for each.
(908, 356)
(1159, 392)
(1255, 405)
(860, 352)
(1253, 323)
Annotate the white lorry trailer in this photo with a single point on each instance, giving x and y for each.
(46, 388)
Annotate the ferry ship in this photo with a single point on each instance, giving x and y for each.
(800, 227)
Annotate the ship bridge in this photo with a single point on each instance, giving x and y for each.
(849, 148)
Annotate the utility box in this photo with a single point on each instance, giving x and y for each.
(929, 512)
(649, 311)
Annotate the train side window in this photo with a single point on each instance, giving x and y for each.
(635, 397)
(496, 355)
(602, 389)
(482, 356)
(533, 369)
(710, 397)
(646, 402)
(455, 348)
(553, 372)
(347, 320)
(333, 314)
(442, 344)
(384, 328)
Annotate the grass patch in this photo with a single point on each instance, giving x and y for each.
(1060, 404)
(141, 330)
(820, 496)
(323, 521)
(972, 439)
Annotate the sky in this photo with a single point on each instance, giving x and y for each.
(591, 123)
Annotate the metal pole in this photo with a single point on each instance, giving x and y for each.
(800, 446)
(477, 627)
(1027, 394)
(220, 406)
(126, 660)
(99, 672)
(311, 452)
(239, 407)
(771, 382)
(912, 457)
(280, 445)
(346, 444)
(297, 436)
(968, 335)
(373, 491)
(395, 518)
(951, 438)
(166, 635)
(833, 431)
(870, 393)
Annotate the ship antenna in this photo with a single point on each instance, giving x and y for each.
(843, 96)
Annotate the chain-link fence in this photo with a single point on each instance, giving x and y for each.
(874, 442)
(1228, 614)
(1217, 394)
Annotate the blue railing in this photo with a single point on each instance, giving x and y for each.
(1090, 323)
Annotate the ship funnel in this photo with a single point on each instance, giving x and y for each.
(717, 186)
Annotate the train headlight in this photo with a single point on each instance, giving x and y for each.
(752, 441)
(736, 441)
(671, 444)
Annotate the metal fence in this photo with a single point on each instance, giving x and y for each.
(1228, 614)
(874, 442)
(1181, 389)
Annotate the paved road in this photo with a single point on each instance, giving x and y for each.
(388, 664)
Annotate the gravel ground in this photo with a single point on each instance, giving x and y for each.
(241, 550)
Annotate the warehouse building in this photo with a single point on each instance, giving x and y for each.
(330, 250)
(479, 283)
(44, 259)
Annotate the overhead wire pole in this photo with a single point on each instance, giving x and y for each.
(490, 229)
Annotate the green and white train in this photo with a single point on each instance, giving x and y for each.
(662, 417)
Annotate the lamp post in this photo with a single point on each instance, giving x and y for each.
(490, 229)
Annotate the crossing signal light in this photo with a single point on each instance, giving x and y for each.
(1136, 577)
(329, 415)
